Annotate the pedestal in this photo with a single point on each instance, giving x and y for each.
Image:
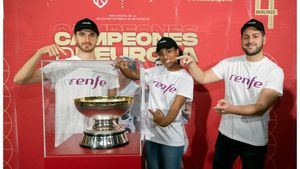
(69, 155)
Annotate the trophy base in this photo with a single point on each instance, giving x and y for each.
(104, 140)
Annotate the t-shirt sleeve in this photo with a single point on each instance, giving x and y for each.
(55, 70)
(186, 87)
(50, 71)
(219, 69)
(275, 81)
(149, 73)
(114, 83)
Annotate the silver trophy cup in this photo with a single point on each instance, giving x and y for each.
(102, 130)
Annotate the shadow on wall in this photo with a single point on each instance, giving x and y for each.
(197, 139)
(282, 133)
(27, 103)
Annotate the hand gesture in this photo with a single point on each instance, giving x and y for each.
(223, 107)
(121, 64)
(185, 60)
(52, 50)
(158, 116)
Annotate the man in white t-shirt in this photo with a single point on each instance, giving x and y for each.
(252, 84)
(71, 80)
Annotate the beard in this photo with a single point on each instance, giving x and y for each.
(87, 49)
(254, 52)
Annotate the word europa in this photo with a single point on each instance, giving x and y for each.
(138, 45)
(164, 87)
(88, 81)
(247, 81)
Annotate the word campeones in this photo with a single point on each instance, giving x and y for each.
(139, 45)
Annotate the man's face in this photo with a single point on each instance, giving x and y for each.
(252, 41)
(86, 40)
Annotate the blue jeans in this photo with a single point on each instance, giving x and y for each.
(159, 156)
(227, 151)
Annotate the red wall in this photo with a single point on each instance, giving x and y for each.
(215, 25)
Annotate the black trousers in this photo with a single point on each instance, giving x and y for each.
(227, 150)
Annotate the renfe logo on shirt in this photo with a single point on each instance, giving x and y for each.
(88, 81)
(246, 81)
(171, 88)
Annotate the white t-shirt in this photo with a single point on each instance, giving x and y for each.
(243, 82)
(164, 85)
(131, 89)
(72, 79)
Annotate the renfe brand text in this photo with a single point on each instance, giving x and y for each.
(88, 81)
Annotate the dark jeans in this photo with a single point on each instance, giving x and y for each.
(159, 156)
(227, 150)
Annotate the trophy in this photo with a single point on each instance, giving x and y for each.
(102, 130)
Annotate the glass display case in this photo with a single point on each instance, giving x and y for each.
(90, 108)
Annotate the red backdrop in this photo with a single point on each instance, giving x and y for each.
(207, 29)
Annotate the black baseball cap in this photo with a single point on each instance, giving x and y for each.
(166, 42)
(254, 23)
(86, 23)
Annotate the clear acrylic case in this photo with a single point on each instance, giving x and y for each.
(65, 128)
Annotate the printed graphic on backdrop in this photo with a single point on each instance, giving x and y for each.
(208, 30)
(100, 3)
(270, 11)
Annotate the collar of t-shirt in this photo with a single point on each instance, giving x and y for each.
(74, 58)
